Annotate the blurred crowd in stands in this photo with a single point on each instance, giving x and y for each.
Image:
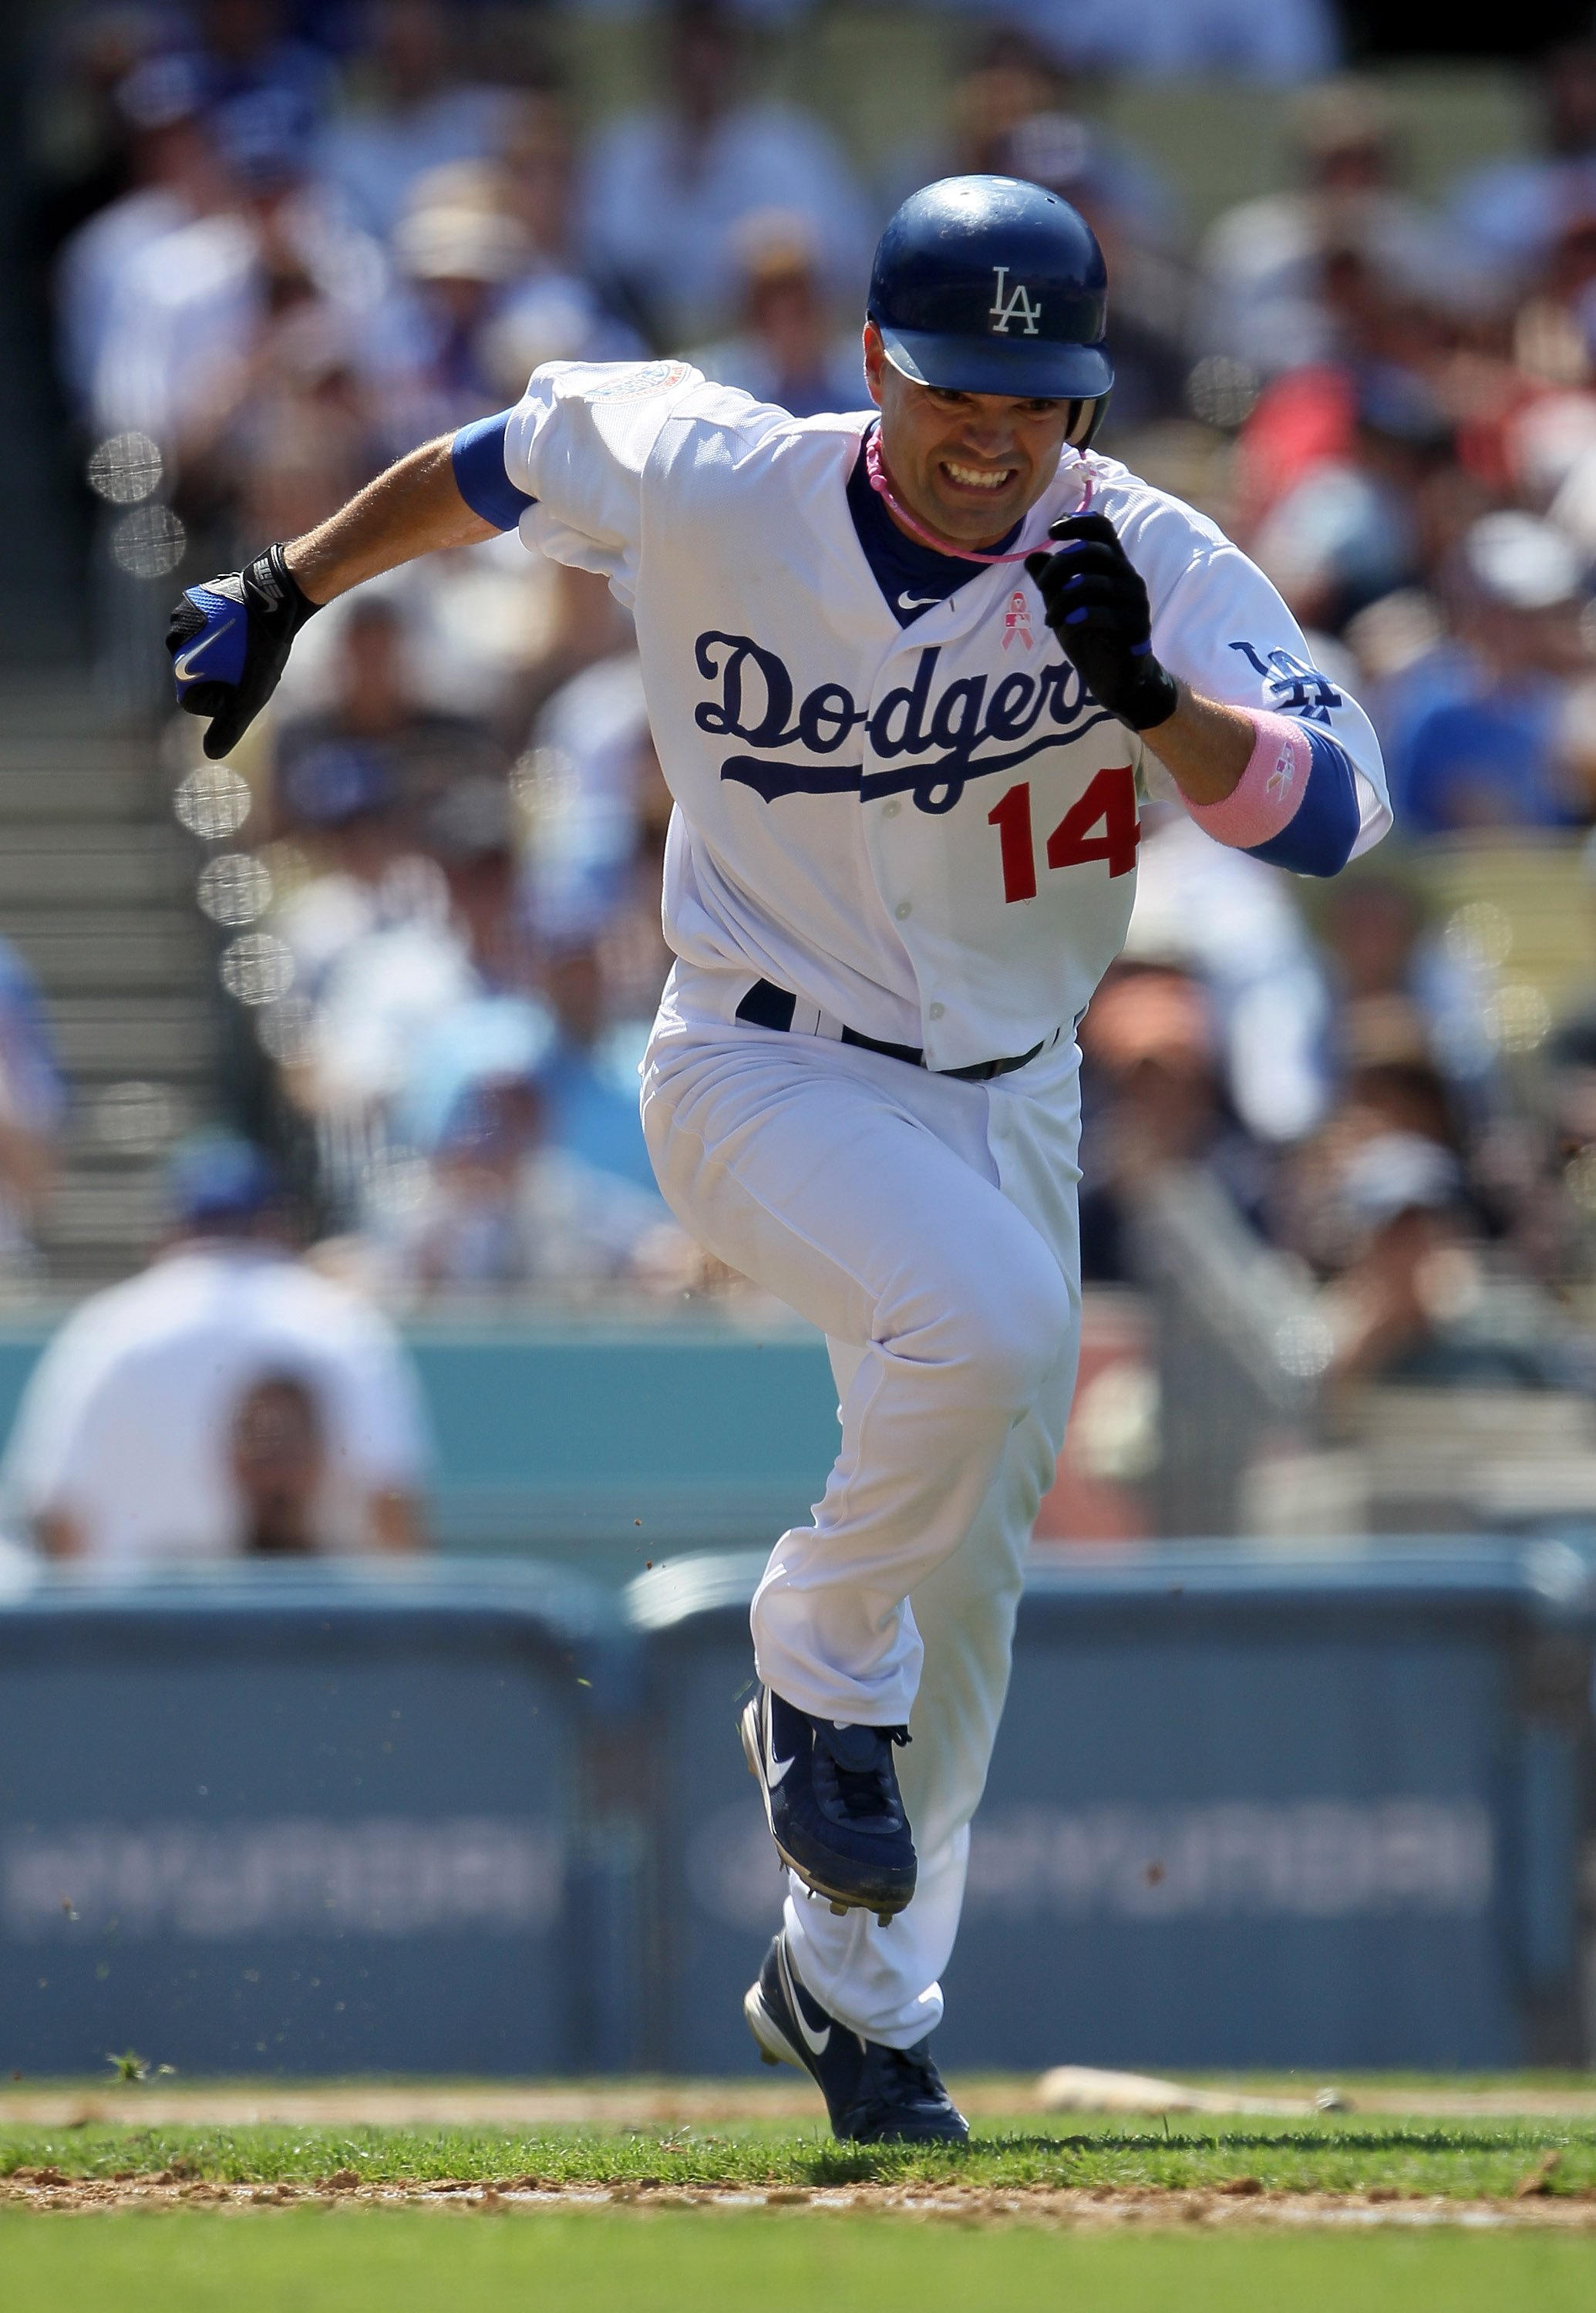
(286, 245)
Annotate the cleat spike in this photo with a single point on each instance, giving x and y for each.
(766, 2057)
(884, 1919)
(838, 1911)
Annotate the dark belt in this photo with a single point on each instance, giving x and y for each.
(766, 1005)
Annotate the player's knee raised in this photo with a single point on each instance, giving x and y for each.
(1013, 1328)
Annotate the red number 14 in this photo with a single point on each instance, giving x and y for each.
(1109, 803)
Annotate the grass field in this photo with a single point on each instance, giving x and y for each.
(402, 2261)
(1358, 2210)
(1350, 2152)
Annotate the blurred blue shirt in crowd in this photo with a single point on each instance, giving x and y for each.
(1485, 762)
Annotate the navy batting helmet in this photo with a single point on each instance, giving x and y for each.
(987, 285)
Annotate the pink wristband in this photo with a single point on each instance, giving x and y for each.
(1265, 797)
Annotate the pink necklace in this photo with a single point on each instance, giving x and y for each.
(881, 484)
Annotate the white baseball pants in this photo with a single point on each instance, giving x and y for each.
(928, 1227)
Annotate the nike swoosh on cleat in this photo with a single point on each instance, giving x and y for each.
(818, 2043)
(776, 1770)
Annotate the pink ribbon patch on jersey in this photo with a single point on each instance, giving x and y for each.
(1266, 798)
(1017, 621)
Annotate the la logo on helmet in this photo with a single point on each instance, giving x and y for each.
(1019, 306)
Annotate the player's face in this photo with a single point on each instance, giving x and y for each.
(967, 465)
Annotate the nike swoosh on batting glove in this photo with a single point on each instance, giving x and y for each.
(230, 639)
(1096, 603)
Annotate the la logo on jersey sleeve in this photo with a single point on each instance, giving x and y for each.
(1294, 686)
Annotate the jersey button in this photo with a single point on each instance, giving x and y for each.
(903, 910)
(891, 810)
(937, 1011)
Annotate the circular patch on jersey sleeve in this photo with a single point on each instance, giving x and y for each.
(638, 383)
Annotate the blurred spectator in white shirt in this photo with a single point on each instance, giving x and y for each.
(786, 349)
(411, 111)
(669, 186)
(128, 1443)
(176, 178)
(195, 315)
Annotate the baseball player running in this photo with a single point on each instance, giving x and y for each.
(909, 671)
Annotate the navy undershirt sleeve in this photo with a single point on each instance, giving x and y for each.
(477, 455)
(1320, 837)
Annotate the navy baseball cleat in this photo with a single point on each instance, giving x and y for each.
(832, 1799)
(875, 2095)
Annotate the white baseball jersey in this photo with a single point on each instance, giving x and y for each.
(926, 832)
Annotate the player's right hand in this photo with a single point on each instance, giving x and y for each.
(1096, 603)
(229, 641)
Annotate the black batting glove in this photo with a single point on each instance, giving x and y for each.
(1097, 605)
(230, 639)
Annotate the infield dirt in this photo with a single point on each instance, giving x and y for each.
(1240, 2202)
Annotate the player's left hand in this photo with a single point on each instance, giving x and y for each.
(1097, 605)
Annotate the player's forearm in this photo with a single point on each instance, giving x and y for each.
(414, 508)
(1205, 747)
(230, 637)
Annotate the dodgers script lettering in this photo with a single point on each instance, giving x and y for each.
(932, 738)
